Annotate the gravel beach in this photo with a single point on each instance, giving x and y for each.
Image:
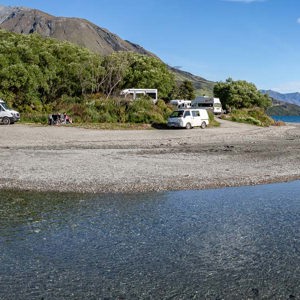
(70, 159)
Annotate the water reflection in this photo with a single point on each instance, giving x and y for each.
(233, 243)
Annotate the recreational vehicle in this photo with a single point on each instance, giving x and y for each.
(181, 103)
(136, 93)
(211, 103)
(7, 115)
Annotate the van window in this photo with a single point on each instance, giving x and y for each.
(195, 113)
(205, 104)
(176, 114)
(187, 113)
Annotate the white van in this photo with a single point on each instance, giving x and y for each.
(188, 118)
(211, 103)
(7, 115)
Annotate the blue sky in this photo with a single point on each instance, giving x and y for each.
(253, 40)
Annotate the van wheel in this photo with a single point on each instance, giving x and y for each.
(6, 121)
(188, 126)
(203, 125)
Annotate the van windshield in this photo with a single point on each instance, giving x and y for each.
(177, 114)
(4, 105)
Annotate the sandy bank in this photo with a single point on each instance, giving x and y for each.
(82, 160)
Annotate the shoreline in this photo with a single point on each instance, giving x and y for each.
(137, 189)
(70, 159)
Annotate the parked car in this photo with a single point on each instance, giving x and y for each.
(188, 118)
(7, 115)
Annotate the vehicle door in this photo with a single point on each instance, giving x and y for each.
(196, 118)
(187, 118)
(2, 111)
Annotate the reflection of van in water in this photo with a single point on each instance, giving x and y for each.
(211, 103)
(7, 115)
(188, 118)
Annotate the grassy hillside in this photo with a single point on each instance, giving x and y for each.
(201, 85)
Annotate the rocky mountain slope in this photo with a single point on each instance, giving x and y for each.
(75, 30)
(84, 33)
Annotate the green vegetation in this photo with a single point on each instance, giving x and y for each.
(185, 90)
(255, 116)
(285, 109)
(39, 76)
(240, 94)
(212, 120)
(244, 102)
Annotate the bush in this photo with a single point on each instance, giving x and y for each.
(34, 118)
(212, 121)
(254, 116)
(144, 111)
(279, 123)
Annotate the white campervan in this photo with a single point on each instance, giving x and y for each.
(188, 118)
(136, 93)
(211, 103)
(7, 115)
(181, 103)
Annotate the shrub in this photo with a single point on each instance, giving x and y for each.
(279, 123)
(34, 118)
(212, 121)
(254, 116)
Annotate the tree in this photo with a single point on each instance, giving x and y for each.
(240, 94)
(116, 67)
(186, 91)
(148, 72)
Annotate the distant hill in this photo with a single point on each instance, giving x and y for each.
(202, 86)
(83, 33)
(280, 107)
(284, 109)
(292, 98)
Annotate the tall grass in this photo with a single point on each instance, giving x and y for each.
(254, 116)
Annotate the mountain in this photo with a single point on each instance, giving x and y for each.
(292, 98)
(75, 30)
(83, 33)
(283, 104)
(281, 108)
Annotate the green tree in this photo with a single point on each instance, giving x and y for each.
(240, 94)
(186, 91)
(148, 72)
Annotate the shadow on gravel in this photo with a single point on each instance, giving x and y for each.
(162, 126)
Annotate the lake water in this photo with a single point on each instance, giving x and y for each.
(232, 243)
(289, 119)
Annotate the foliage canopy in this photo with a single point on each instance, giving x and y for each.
(38, 74)
(240, 94)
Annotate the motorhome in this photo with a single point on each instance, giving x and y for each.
(7, 115)
(210, 103)
(181, 103)
(136, 93)
(188, 118)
